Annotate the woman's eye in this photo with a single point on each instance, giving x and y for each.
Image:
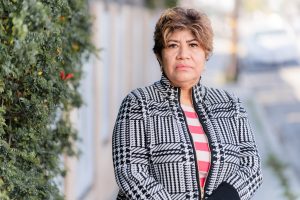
(194, 45)
(172, 45)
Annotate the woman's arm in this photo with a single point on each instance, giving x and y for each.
(243, 183)
(131, 155)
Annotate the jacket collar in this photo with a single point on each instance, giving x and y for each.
(199, 91)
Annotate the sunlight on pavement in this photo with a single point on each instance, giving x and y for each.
(293, 117)
(291, 76)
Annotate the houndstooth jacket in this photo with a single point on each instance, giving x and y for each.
(153, 152)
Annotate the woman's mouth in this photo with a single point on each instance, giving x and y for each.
(181, 67)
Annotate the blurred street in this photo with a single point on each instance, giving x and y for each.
(274, 109)
(271, 97)
(277, 92)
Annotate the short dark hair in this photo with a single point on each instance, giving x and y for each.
(179, 18)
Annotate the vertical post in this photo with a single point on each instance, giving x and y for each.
(70, 165)
(232, 72)
(70, 179)
(96, 9)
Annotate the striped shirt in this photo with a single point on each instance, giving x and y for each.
(200, 142)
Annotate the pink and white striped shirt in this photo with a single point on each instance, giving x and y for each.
(200, 142)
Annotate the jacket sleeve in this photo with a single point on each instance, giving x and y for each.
(131, 155)
(248, 178)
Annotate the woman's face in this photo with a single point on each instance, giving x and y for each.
(183, 59)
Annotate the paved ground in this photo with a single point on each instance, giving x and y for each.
(272, 98)
(273, 106)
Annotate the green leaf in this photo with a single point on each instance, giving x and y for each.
(2, 86)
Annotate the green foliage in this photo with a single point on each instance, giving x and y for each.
(152, 4)
(42, 44)
(279, 169)
(170, 3)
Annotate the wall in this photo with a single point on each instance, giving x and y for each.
(124, 34)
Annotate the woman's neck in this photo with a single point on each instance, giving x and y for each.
(186, 96)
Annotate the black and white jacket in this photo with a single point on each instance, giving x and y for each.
(153, 152)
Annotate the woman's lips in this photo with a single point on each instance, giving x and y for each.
(182, 66)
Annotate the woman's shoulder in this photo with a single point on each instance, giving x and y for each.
(222, 97)
(146, 93)
(218, 95)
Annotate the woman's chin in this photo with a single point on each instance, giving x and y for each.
(185, 82)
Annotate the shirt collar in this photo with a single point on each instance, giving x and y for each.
(199, 91)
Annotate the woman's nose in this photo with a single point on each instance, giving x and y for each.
(183, 53)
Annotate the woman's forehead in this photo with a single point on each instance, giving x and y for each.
(188, 34)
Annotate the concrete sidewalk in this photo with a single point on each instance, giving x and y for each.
(272, 187)
(267, 142)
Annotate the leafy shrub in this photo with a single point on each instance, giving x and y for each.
(42, 44)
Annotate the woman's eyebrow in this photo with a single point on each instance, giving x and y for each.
(192, 40)
(177, 41)
(173, 40)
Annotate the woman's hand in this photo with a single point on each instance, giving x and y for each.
(224, 192)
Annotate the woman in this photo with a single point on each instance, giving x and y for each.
(178, 139)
